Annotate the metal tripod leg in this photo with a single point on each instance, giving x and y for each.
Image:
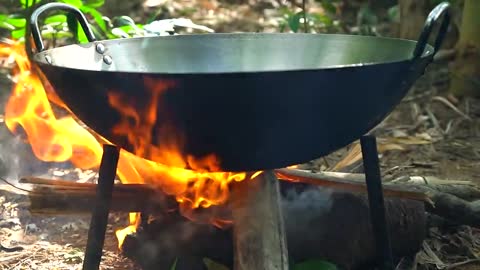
(98, 223)
(376, 202)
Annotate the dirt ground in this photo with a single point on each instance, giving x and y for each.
(428, 134)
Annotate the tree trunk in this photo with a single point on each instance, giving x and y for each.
(466, 69)
(412, 17)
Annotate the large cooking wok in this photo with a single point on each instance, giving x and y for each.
(256, 101)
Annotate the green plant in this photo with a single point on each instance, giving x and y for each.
(56, 26)
(310, 22)
(314, 265)
(366, 20)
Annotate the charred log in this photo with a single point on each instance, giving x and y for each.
(319, 223)
(454, 200)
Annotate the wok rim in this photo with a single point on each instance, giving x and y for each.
(39, 57)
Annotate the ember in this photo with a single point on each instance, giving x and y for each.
(59, 139)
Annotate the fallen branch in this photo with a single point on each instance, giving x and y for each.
(348, 182)
(438, 197)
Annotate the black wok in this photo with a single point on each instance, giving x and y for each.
(256, 101)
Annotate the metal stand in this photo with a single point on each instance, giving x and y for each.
(376, 202)
(98, 223)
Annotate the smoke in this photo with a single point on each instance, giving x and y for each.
(172, 235)
(297, 197)
(9, 160)
(17, 159)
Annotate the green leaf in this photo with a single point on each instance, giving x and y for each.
(56, 34)
(174, 265)
(126, 25)
(18, 34)
(314, 265)
(128, 29)
(326, 20)
(24, 3)
(119, 33)
(282, 26)
(61, 18)
(123, 20)
(12, 20)
(75, 3)
(7, 26)
(82, 38)
(213, 265)
(366, 16)
(16, 22)
(93, 3)
(76, 29)
(394, 14)
(294, 21)
(328, 6)
(97, 16)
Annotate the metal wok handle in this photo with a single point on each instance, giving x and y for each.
(37, 36)
(433, 17)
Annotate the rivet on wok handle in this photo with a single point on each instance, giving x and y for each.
(107, 59)
(36, 33)
(48, 58)
(433, 17)
(100, 48)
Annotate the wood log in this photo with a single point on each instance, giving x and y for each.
(465, 190)
(69, 197)
(438, 201)
(258, 232)
(62, 197)
(450, 200)
(319, 223)
(348, 182)
(407, 187)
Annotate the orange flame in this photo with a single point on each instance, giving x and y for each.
(59, 139)
(134, 220)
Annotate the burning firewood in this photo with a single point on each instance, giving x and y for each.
(312, 216)
(441, 197)
(59, 197)
(319, 223)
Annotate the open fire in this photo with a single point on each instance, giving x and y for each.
(56, 138)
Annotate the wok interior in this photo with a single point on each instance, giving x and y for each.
(225, 53)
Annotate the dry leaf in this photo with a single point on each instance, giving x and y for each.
(355, 153)
(409, 140)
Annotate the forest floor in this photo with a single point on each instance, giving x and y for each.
(429, 134)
